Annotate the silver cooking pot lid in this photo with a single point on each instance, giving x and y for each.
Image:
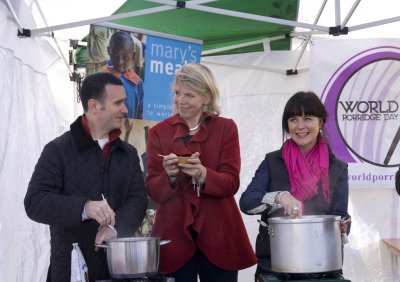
(304, 219)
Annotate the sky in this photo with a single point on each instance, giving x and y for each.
(70, 11)
(366, 11)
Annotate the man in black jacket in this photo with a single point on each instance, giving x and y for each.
(88, 185)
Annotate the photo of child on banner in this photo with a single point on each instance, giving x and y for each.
(120, 53)
(144, 63)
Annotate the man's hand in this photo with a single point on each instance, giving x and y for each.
(104, 233)
(100, 211)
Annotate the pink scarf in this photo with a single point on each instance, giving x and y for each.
(306, 171)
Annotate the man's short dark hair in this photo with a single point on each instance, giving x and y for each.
(93, 87)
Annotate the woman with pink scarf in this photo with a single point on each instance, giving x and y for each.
(302, 178)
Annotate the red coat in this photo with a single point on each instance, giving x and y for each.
(214, 215)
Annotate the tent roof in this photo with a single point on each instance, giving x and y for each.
(227, 22)
(232, 26)
(218, 30)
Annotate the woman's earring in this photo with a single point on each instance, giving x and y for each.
(206, 108)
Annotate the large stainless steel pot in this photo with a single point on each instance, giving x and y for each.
(133, 257)
(310, 244)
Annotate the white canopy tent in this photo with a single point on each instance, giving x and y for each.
(39, 102)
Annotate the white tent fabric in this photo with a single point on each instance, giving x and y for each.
(28, 121)
(264, 94)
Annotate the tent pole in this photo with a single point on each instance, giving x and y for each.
(351, 12)
(13, 13)
(337, 12)
(55, 40)
(41, 12)
(210, 60)
(101, 19)
(250, 43)
(260, 41)
(150, 32)
(254, 42)
(305, 43)
(375, 23)
(302, 33)
(194, 6)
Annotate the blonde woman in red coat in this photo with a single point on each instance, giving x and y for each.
(197, 210)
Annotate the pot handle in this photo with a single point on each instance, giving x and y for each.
(104, 246)
(270, 228)
(262, 223)
(164, 242)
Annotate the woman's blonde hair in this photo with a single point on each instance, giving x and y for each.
(199, 79)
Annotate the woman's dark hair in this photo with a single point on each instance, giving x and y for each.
(303, 103)
(93, 87)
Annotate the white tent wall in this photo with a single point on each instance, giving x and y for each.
(28, 121)
(374, 216)
(254, 96)
(65, 92)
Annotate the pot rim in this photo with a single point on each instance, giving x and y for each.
(134, 239)
(304, 219)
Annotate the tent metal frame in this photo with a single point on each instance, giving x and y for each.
(340, 28)
(150, 32)
(10, 7)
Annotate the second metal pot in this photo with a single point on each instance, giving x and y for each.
(311, 244)
(133, 257)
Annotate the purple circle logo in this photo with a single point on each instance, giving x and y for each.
(362, 100)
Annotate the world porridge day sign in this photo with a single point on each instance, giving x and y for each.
(359, 83)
